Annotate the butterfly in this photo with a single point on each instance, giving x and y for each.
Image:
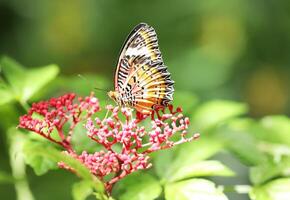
(142, 81)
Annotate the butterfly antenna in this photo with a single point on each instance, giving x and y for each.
(90, 84)
(107, 100)
(100, 89)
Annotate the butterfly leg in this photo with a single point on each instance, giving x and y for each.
(178, 109)
(140, 116)
(156, 111)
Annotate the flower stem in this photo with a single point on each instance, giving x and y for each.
(18, 168)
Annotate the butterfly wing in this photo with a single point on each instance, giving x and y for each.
(153, 88)
(141, 78)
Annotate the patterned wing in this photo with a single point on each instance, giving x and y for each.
(141, 78)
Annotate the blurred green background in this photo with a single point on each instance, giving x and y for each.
(234, 49)
(217, 49)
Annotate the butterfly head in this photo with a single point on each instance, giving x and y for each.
(114, 95)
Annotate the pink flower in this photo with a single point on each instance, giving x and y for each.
(46, 116)
(127, 137)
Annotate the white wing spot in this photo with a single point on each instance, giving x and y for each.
(137, 51)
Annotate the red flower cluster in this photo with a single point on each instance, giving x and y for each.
(47, 116)
(126, 138)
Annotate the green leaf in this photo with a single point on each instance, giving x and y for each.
(137, 186)
(186, 100)
(24, 82)
(81, 141)
(275, 129)
(82, 190)
(245, 148)
(39, 162)
(43, 157)
(193, 189)
(275, 150)
(202, 168)
(11, 114)
(270, 169)
(37, 79)
(278, 189)
(14, 73)
(162, 160)
(192, 152)
(237, 136)
(215, 112)
(5, 93)
(6, 178)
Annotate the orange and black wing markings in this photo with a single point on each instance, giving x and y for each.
(141, 79)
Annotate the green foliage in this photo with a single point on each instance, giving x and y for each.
(275, 190)
(83, 84)
(138, 186)
(81, 141)
(162, 161)
(183, 172)
(219, 49)
(186, 100)
(274, 129)
(25, 83)
(236, 137)
(6, 178)
(43, 157)
(270, 169)
(5, 93)
(186, 161)
(202, 168)
(189, 154)
(212, 113)
(82, 190)
(40, 156)
(193, 189)
(21, 84)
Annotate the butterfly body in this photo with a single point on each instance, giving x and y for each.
(142, 81)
